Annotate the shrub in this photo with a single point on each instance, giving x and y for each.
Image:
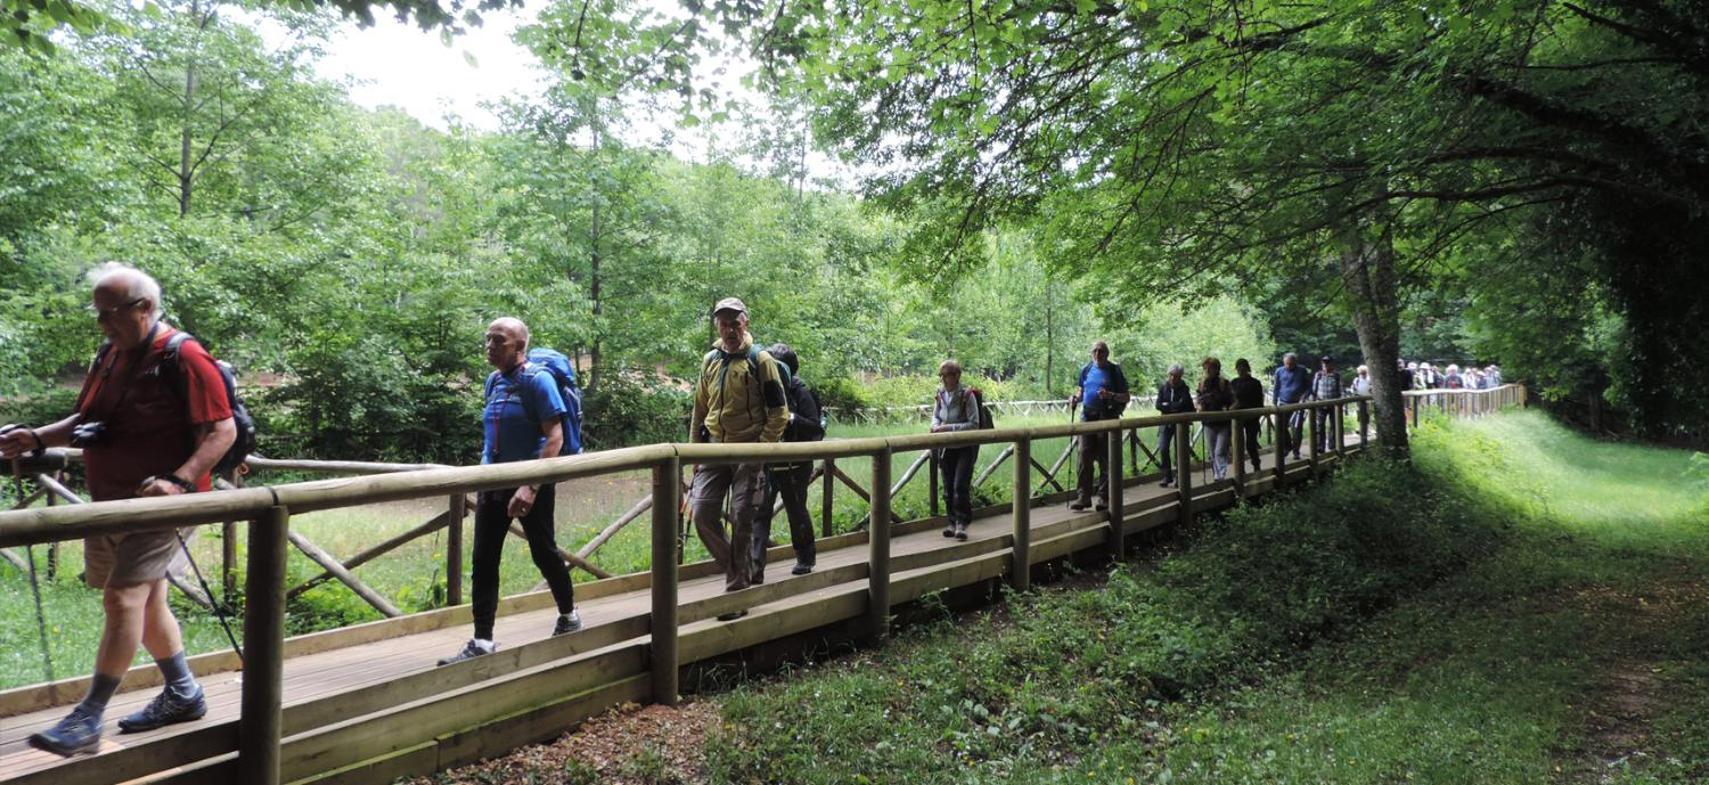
(629, 408)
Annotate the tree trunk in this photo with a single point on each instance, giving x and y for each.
(186, 172)
(1368, 271)
(595, 365)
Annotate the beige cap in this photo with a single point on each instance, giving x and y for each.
(729, 304)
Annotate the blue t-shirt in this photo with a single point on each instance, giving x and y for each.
(517, 404)
(1092, 380)
(1292, 386)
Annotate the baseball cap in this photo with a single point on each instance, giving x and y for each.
(729, 304)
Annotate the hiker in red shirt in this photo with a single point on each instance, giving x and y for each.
(147, 428)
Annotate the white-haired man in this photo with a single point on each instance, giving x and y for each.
(146, 429)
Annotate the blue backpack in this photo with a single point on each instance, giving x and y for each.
(564, 374)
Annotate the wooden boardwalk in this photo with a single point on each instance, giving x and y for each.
(368, 704)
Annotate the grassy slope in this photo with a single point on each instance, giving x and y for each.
(1526, 607)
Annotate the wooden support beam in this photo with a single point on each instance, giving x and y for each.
(262, 723)
(436, 523)
(58, 489)
(864, 496)
(454, 514)
(1184, 478)
(15, 560)
(986, 473)
(569, 558)
(645, 504)
(1050, 474)
(1020, 513)
(878, 543)
(1114, 488)
(663, 625)
(1237, 433)
(344, 576)
(826, 490)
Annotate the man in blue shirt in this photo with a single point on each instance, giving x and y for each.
(522, 421)
(1103, 394)
(1292, 385)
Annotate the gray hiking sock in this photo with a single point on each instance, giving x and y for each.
(176, 671)
(101, 689)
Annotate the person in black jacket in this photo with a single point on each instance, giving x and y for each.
(1173, 397)
(1248, 394)
(789, 481)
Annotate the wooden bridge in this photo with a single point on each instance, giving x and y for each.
(366, 704)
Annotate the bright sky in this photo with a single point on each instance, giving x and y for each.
(398, 64)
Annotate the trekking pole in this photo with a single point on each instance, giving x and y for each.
(30, 556)
(212, 602)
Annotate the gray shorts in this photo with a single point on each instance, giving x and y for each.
(132, 558)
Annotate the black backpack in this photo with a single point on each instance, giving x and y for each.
(244, 444)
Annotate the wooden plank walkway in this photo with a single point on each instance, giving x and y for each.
(376, 709)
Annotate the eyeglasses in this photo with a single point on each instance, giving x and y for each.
(103, 313)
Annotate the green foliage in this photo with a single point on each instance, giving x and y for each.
(1066, 673)
(628, 409)
(1387, 621)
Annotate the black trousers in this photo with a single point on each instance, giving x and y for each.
(955, 467)
(1289, 439)
(492, 524)
(788, 482)
(1165, 451)
(1093, 454)
(1250, 429)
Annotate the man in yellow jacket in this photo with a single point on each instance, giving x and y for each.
(739, 398)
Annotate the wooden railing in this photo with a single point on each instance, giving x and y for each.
(268, 510)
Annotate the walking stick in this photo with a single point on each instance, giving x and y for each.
(30, 556)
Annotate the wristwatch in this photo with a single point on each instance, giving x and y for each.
(185, 485)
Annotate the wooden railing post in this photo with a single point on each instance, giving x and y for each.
(1278, 435)
(878, 538)
(932, 490)
(1311, 435)
(1184, 471)
(1237, 434)
(454, 550)
(259, 728)
(663, 626)
(228, 547)
(1113, 494)
(1020, 565)
(1340, 431)
(1364, 422)
(825, 498)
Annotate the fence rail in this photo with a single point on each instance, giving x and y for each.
(268, 510)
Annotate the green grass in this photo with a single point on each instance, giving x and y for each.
(1519, 605)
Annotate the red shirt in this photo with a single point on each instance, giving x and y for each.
(150, 425)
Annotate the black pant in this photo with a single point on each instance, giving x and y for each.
(1250, 429)
(955, 465)
(1094, 453)
(492, 524)
(1166, 452)
(1288, 439)
(790, 483)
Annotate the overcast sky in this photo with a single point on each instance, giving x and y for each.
(398, 64)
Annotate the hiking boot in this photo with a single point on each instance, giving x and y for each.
(961, 532)
(949, 530)
(1167, 483)
(567, 623)
(75, 734)
(801, 568)
(166, 708)
(1080, 504)
(1100, 505)
(474, 648)
(732, 615)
